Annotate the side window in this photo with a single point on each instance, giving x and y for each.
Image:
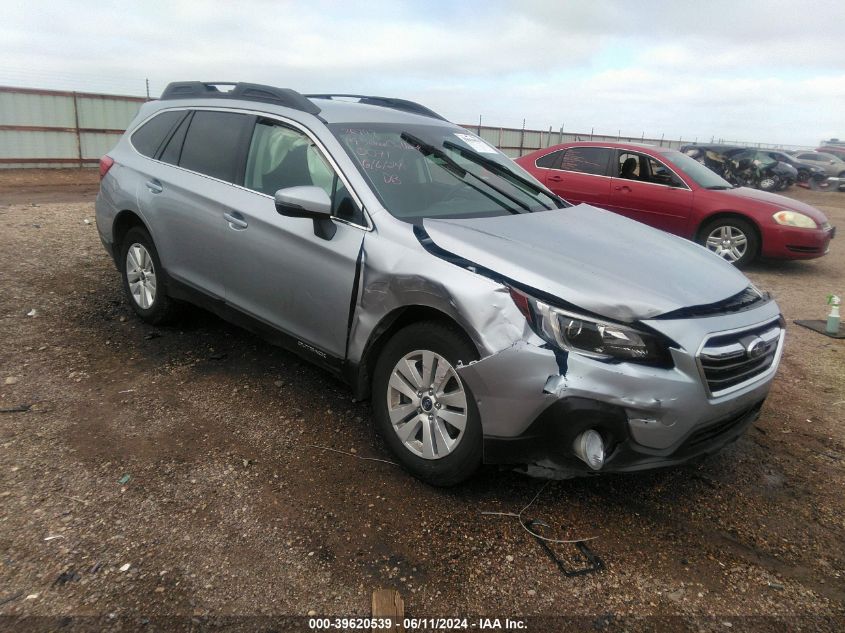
(629, 166)
(173, 148)
(281, 157)
(660, 174)
(149, 137)
(586, 160)
(549, 160)
(213, 144)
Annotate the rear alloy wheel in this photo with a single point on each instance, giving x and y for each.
(422, 407)
(141, 275)
(143, 281)
(732, 239)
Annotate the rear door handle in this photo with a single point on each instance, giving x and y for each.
(555, 178)
(622, 188)
(154, 186)
(236, 221)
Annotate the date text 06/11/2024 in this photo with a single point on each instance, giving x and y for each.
(417, 624)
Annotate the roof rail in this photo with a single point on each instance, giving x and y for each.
(243, 91)
(385, 102)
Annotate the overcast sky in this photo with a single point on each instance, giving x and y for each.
(763, 70)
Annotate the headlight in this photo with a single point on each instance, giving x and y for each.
(588, 336)
(793, 218)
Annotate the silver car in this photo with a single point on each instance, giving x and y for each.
(831, 164)
(487, 319)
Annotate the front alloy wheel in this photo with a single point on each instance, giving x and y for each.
(733, 239)
(427, 404)
(769, 183)
(728, 242)
(422, 407)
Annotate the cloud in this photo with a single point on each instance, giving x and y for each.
(760, 70)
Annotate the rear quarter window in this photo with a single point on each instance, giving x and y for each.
(548, 161)
(148, 138)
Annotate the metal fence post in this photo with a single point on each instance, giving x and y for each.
(78, 135)
(522, 138)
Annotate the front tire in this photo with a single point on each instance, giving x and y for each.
(769, 183)
(733, 239)
(143, 278)
(423, 409)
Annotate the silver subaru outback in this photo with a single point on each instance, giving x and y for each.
(487, 319)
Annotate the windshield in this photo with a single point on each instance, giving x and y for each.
(703, 176)
(437, 172)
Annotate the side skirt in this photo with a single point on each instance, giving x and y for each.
(184, 292)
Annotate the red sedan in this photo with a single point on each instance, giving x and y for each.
(667, 189)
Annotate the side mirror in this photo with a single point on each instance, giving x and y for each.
(308, 202)
(304, 202)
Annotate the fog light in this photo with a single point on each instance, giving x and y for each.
(590, 449)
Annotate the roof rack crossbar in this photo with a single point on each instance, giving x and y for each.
(387, 102)
(242, 91)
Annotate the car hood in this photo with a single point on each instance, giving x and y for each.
(594, 259)
(773, 200)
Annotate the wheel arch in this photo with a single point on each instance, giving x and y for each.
(390, 324)
(124, 221)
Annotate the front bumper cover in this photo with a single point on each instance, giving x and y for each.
(534, 401)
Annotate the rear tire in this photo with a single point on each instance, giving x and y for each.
(735, 240)
(144, 279)
(420, 403)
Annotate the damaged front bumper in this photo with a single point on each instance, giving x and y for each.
(533, 403)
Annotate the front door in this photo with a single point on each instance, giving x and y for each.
(645, 189)
(276, 268)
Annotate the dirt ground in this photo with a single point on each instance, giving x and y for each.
(177, 472)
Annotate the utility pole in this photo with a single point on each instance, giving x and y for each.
(148, 88)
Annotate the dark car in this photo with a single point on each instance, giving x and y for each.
(669, 190)
(745, 166)
(807, 171)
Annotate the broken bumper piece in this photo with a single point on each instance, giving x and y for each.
(534, 403)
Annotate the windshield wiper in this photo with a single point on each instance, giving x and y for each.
(496, 168)
(455, 167)
(720, 187)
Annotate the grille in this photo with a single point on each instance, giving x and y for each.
(731, 360)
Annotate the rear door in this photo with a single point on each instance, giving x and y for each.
(581, 175)
(277, 269)
(647, 190)
(188, 189)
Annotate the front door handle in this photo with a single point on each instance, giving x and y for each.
(555, 178)
(154, 186)
(236, 221)
(622, 188)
